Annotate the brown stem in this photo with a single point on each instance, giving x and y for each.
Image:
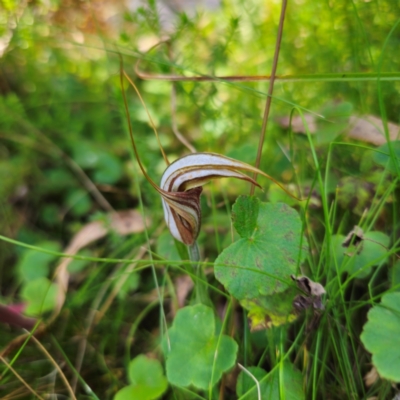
(270, 91)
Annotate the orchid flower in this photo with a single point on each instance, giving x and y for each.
(182, 181)
(181, 187)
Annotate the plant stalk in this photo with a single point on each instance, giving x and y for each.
(270, 91)
(201, 292)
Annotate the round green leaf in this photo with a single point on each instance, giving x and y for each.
(266, 255)
(34, 264)
(197, 355)
(147, 380)
(381, 336)
(244, 215)
(40, 294)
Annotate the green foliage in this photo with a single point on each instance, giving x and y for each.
(335, 122)
(40, 295)
(381, 336)
(107, 168)
(268, 252)
(396, 276)
(147, 380)
(284, 377)
(166, 247)
(33, 264)
(78, 201)
(197, 356)
(256, 269)
(65, 157)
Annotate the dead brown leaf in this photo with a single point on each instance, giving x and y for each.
(369, 128)
(123, 222)
(371, 377)
(366, 128)
(183, 284)
(297, 124)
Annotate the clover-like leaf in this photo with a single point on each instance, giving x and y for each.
(34, 264)
(40, 294)
(265, 257)
(198, 356)
(147, 380)
(381, 336)
(246, 388)
(361, 258)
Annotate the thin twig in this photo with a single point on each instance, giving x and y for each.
(323, 77)
(20, 378)
(56, 366)
(270, 91)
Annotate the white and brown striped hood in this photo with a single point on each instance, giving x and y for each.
(181, 188)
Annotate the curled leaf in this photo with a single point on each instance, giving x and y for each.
(355, 238)
(312, 296)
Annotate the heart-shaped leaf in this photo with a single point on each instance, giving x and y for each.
(147, 380)
(198, 356)
(381, 336)
(266, 255)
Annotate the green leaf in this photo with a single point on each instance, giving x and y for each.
(245, 383)
(78, 201)
(85, 154)
(40, 294)
(147, 380)
(268, 257)
(34, 264)
(166, 247)
(269, 386)
(108, 170)
(244, 215)
(381, 336)
(360, 260)
(396, 276)
(197, 355)
(275, 309)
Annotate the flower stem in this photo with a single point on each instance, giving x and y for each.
(201, 292)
